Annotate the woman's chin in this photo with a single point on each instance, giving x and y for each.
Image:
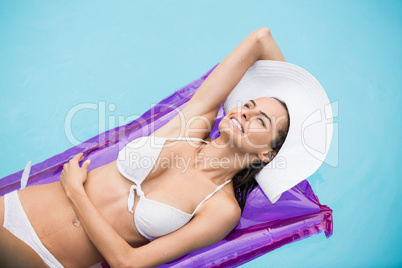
(226, 128)
(231, 133)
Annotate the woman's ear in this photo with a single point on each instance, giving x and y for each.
(265, 156)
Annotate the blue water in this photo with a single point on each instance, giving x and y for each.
(109, 61)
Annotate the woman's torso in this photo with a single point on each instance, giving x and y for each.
(57, 225)
(55, 222)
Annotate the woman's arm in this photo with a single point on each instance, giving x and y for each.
(202, 231)
(213, 224)
(109, 243)
(105, 238)
(259, 45)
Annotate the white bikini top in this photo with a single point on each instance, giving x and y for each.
(152, 219)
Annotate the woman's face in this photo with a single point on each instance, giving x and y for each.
(253, 126)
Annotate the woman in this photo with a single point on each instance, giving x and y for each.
(85, 218)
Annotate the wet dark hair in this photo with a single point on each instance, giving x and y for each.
(244, 181)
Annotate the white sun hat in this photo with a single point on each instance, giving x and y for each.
(311, 124)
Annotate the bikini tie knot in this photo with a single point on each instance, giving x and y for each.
(131, 196)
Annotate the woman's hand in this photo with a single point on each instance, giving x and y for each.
(73, 176)
(268, 49)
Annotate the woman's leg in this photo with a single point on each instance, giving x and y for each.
(13, 251)
(1, 210)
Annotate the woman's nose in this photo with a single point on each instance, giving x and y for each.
(247, 114)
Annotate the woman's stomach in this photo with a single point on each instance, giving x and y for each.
(61, 231)
(53, 218)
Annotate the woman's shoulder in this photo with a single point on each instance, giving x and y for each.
(176, 132)
(187, 123)
(223, 204)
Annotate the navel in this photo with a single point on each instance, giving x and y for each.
(76, 223)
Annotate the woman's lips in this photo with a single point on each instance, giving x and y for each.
(237, 124)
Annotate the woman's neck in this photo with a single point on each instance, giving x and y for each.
(220, 160)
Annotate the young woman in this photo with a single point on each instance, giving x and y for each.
(87, 217)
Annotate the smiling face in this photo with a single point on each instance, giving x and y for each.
(252, 127)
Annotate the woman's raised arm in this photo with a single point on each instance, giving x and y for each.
(258, 45)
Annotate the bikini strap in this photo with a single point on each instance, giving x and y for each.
(188, 139)
(210, 195)
(25, 175)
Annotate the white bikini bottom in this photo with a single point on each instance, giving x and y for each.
(16, 221)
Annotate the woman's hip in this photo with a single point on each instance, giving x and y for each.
(15, 252)
(52, 218)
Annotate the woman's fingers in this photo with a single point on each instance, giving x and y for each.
(78, 158)
(75, 160)
(86, 164)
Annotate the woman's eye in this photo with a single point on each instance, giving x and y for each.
(246, 105)
(262, 121)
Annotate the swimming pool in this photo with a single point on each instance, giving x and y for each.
(102, 58)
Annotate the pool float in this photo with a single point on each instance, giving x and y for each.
(263, 227)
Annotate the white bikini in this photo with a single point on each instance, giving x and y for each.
(152, 219)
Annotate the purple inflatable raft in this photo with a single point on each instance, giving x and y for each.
(263, 227)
